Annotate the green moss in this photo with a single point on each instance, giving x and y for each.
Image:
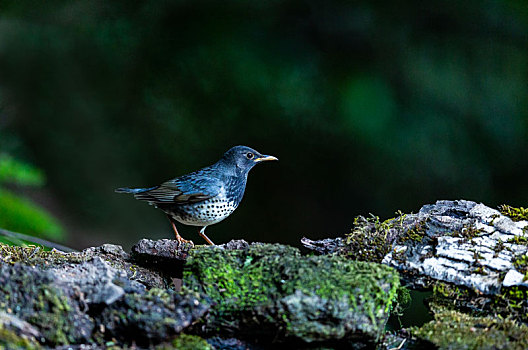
(148, 318)
(521, 240)
(480, 270)
(246, 284)
(52, 315)
(455, 330)
(29, 294)
(494, 217)
(367, 240)
(157, 293)
(521, 264)
(477, 256)
(512, 302)
(450, 296)
(449, 291)
(516, 214)
(186, 342)
(467, 233)
(372, 239)
(36, 255)
(499, 247)
(515, 298)
(403, 300)
(10, 340)
(414, 233)
(236, 280)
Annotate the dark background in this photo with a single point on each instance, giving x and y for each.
(371, 107)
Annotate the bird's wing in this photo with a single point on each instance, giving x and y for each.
(183, 190)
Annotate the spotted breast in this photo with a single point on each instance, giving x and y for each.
(205, 213)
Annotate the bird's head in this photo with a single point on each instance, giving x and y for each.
(245, 158)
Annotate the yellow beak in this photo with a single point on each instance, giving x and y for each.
(265, 158)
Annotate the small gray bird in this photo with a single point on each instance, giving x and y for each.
(204, 197)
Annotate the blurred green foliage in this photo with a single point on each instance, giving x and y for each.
(16, 172)
(20, 214)
(371, 106)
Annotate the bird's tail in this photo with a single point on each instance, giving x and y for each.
(133, 190)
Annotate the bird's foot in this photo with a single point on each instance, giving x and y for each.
(185, 241)
(179, 238)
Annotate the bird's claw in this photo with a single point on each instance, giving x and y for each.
(185, 241)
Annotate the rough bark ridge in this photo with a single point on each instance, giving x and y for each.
(459, 242)
(467, 244)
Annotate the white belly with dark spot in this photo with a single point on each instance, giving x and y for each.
(205, 213)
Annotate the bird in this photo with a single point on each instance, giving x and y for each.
(206, 196)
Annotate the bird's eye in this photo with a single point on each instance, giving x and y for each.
(249, 155)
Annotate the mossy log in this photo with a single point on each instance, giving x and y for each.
(99, 296)
(103, 297)
(271, 291)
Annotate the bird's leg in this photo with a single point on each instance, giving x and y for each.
(202, 233)
(178, 237)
